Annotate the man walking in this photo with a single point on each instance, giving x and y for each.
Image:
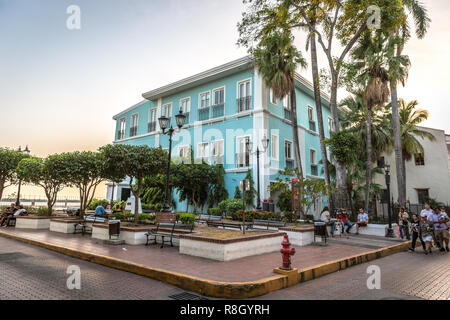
(439, 220)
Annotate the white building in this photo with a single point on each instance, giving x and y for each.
(427, 175)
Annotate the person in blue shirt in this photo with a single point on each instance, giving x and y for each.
(101, 211)
(363, 220)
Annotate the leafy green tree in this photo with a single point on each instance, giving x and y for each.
(136, 163)
(85, 172)
(237, 194)
(9, 160)
(49, 173)
(252, 194)
(218, 192)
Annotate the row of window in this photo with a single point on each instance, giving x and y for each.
(211, 106)
(288, 112)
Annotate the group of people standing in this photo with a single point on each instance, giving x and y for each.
(430, 227)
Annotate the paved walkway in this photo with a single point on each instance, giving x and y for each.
(242, 270)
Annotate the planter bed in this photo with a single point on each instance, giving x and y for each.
(230, 248)
(33, 222)
(299, 236)
(61, 225)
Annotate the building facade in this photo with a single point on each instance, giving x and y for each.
(225, 106)
(427, 175)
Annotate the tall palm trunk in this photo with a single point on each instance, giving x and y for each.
(297, 155)
(316, 82)
(369, 157)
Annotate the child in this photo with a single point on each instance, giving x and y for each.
(415, 229)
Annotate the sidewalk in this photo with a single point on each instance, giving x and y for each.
(246, 269)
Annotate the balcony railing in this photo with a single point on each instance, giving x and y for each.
(312, 126)
(187, 114)
(314, 170)
(244, 104)
(287, 114)
(203, 114)
(121, 135)
(290, 164)
(151, 127)
(243, 160)
(218, 110)
(133, 131)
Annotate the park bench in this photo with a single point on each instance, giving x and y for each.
(166, 230)
(12, 220)
(268, 223)
(84, 228)
(226, 225)
(204, 218)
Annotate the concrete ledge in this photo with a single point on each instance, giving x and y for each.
(33, 223)
(228, 290)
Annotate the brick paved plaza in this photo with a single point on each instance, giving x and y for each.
(28, 272)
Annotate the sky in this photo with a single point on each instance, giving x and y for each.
(60, 88)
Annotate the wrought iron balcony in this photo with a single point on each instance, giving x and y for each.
(151, 127)
(244, 104)
(287, 114)
(312, 126)
(314, 170)
(133, 131)
(203, 114)
(218, 110)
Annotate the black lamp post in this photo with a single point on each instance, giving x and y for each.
(249, 146)
(163, 123)
(27, 151)
(390, 231)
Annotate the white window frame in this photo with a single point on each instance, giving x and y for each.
(330, 125)
(170, 105)
(311, 152)
(287, 102)
(244, 139)
(291, 149)
(135, 116)
(312, 119)
(186, 147)
(124, 121)
(272, 97)
(275, 157)
(201, 94)
(213, 95)
(214, 143)
(188, 105)
(200, 148)
(238, 92)
(150, 120)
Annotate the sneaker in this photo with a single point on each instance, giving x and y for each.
(357, 233)
(447, 249)
(411, 249)
(442, 250)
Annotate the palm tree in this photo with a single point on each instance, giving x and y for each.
(398, 73)
(277, 59)
(410, 118)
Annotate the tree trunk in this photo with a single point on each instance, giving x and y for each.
(340, 200)
(194, 202)
(297, 155)
(136, 201)
(401, 178)
(369, 158)
(2, 188)
(317, 97)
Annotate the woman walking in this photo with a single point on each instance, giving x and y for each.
(415, 229)
(426, 232)
(403, 224)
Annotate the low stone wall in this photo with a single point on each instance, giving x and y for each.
(230, 249)
(375, 230)
(131, 236)
(33, 222)
(300, 237)
(66, 226)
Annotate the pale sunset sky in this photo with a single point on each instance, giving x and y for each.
(59, 88)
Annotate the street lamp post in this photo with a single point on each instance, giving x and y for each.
(249, 146)
(163, 123)
(27, 151)
(390, 231)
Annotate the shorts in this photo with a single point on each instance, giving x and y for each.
(428, 238)
(441, 235)
(362, 223)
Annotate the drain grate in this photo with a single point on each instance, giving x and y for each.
(12, 256)
(186, 296)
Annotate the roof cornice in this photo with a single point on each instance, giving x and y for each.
(129, 109)
(201, 78)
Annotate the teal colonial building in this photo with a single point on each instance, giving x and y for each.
(225, 106)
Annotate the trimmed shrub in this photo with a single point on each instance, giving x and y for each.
(214, 211)
(230, 206)
(186, 218)
(43, 212)
(256, 215)
(289, 216)
(95, 203)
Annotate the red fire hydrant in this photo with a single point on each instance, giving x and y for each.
(286, 253)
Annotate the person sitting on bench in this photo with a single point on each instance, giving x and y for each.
(326, 217)
(344, 220)
(101, 211)
(5, 220)
(363, 220)
(7, 213)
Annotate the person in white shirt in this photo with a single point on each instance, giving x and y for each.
(363, 220)
(427, 210)
(326, 217)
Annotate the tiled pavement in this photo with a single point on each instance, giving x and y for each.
(246, 269)
(32, 273)
(403, 276)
